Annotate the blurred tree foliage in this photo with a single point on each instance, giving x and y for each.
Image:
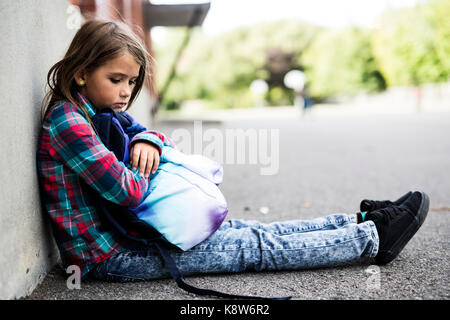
(408, 47)
(440, 13)
(412, 45)
(341, 61)
(220, 69)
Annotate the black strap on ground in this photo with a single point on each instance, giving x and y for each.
(178, 277)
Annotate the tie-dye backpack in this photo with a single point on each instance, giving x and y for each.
(183, 205)
(183, 202)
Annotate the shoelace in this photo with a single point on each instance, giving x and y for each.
(375, 204)
(391, 212)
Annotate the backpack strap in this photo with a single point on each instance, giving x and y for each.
(178, 277)
(160, 243)
(110, 129)
(109, 125)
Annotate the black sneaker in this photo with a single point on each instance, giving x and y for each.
(397, 224)
(370, 205)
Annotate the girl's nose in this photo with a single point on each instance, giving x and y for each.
(125, 92)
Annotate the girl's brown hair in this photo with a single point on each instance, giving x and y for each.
(95, 43)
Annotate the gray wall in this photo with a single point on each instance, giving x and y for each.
(34, 35)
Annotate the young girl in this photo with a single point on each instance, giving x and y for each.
(105, 66)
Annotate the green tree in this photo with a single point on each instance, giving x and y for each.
(341, 61)
(409, 46)
(405, 44)
(440, 11)
(220, 69)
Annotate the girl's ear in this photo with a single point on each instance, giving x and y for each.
(80, 78)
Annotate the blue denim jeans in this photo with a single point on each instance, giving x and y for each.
(240, 245)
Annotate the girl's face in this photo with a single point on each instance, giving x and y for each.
(111, 84)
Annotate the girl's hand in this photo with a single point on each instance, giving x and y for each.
(146, 156)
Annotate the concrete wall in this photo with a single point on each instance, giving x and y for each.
(34, 35)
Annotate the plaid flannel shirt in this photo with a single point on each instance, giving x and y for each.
(75, 168)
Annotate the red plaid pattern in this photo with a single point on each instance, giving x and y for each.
(75, 168)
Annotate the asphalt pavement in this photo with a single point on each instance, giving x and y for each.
(318, 165)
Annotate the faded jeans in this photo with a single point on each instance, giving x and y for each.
(240, 245)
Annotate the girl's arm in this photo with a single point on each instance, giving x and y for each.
(137, 132)
(76, 145)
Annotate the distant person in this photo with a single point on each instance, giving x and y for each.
(105, 67)
(308, 102)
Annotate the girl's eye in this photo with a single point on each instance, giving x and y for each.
(117, 81)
